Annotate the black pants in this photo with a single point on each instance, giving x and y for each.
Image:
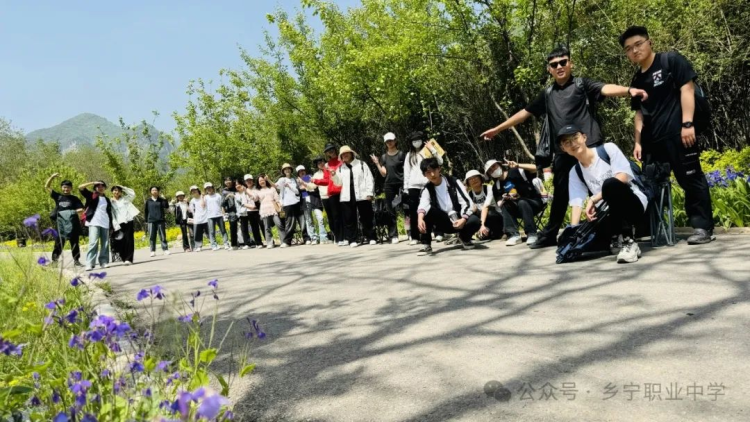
(160, 228)
(290, 225)
(625, 209)
(523, 208)
(561, 165)
(244, 229)
(125, 247)
(332, 206)
(351, 210)
(391, 193)
(413, 208)
(440, 220)
(233, 231)
(494, 223)
(187, 237)
(75, 248)
(686, 165)
(200, 230)
(255, 225)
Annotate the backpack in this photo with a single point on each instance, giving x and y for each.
(637, 173)
(702, 113)
(584, 240)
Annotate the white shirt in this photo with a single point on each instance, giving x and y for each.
(213, 205)
(123, 210)
(595, 174)
(200, 213)
(101, 218)
(444, 199)
(289, 191)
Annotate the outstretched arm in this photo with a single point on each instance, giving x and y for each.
(514, 120)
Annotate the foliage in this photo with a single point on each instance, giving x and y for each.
(713, 160)
(59, 357)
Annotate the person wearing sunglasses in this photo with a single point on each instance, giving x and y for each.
(569, 100)
(664, 129)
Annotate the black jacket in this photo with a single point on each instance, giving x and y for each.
(179, 219)
(92, 202)
(155, 211)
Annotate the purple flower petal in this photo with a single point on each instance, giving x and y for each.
(50, 232)
(100, 275)
(42, 261)
(142, 295)
(31, 221)
(210, 407)
(60, 417)
(214, 283)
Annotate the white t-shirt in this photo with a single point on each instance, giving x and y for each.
(213, 205)
(599, 171)
(200, 214)
(101, 218)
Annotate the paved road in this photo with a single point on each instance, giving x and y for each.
(377, 333)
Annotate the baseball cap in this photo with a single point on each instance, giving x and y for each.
(568, 130)
(489, 164)
(300, 167)
(181, 193)
(390, 136)
(192, 188)
(248, 177)
(208, 185)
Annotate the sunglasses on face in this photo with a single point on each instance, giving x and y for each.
(563, 63)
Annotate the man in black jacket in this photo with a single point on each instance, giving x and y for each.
(155, 213)
(569, 100)
(445, 205)
(98, 220)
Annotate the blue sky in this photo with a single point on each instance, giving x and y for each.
(120, 59)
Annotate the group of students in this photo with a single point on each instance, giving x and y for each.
(662, 95)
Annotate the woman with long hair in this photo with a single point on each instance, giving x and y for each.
(200, 216)
(123, 215)
(414, 180)
(270, 203)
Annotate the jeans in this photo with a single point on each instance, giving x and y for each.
(75, 248)
(97, 236)
(321, 235)
(159, 228)
(125, 247)
(332, 206)
(351, 210)
(441, 221)
(268, 222)
(212, 223)
(187, 237)
(199, 230)
(561, 166)
(625, 209)
(526, 209)
(255, 224)
(686, 165)
(391, 193)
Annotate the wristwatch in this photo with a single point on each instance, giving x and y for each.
(687, 125)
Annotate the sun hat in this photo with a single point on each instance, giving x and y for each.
(471, 174)
(181, 193)
(192, 188)
(346, 149)
(286, 166)
(390, 136)
(489, 164)
(248, 177)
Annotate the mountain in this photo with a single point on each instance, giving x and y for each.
(83, 130)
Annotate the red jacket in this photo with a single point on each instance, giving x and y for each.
(333, 189)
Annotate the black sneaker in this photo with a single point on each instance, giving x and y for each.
(543, 242)
(468, 245)
(701, 236)
(425, 250)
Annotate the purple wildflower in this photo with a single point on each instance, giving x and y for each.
(54, 304)
(31, 221)
(163, 365)
(55, 397)
(76, 281)
(100, 275)
(88, 418)
(139, 356)
(42, 261)
(214, 283)
(50, 232)
(147, 393)
(157, 292)
(185, 318)
(211, 405)
(35, 375)
(105, 373)
(258, 331)
(136, 367)
(228, 415)
(142, 295)
(7, 348)
(35, 401)
(72, 317)
(60, 417)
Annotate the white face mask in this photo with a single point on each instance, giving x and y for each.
(497, 173)
(417, 144)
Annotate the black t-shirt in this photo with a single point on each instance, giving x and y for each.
(394, 167)
(66, 202)
(567, 105)
(524, 187)
(662, 112)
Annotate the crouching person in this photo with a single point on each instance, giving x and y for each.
(605, 174)
(444, 205)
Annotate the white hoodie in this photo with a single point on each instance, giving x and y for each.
(364, 183)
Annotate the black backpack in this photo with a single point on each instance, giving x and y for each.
(647, 189)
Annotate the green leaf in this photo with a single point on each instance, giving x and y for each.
(200, 379)
(224, 385)
(207, 356)
(16, 389)
(9, 335)
(247, 370)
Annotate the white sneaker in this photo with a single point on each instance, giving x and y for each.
(128, 263)
(309, 242)
(394, 241)
(531, 239)
(439, 238)
(153, 254)
(425, 250)
(166, 253)
(214, 248)
(227, 247)
(244, 248)
(284, 245)
(89, 268)
(197, 249)
(372, 242)
(630, 252)
(270, 247)
(343, 243)
(104, 266)
(513, 240)
(413, 243)
(353, 245)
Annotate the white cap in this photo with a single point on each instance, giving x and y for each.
(181, 193)
(192, 188)
(471, 174)
(208, 185)
(390, 136)
(300, 167)
(489, 164)
(248, 177)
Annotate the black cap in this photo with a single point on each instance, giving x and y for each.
(318, 159)
(415, 136)
(568, 130)
(329, 147)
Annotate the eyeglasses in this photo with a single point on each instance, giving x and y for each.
(568, 142)
(629, 49)
(563, 63)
